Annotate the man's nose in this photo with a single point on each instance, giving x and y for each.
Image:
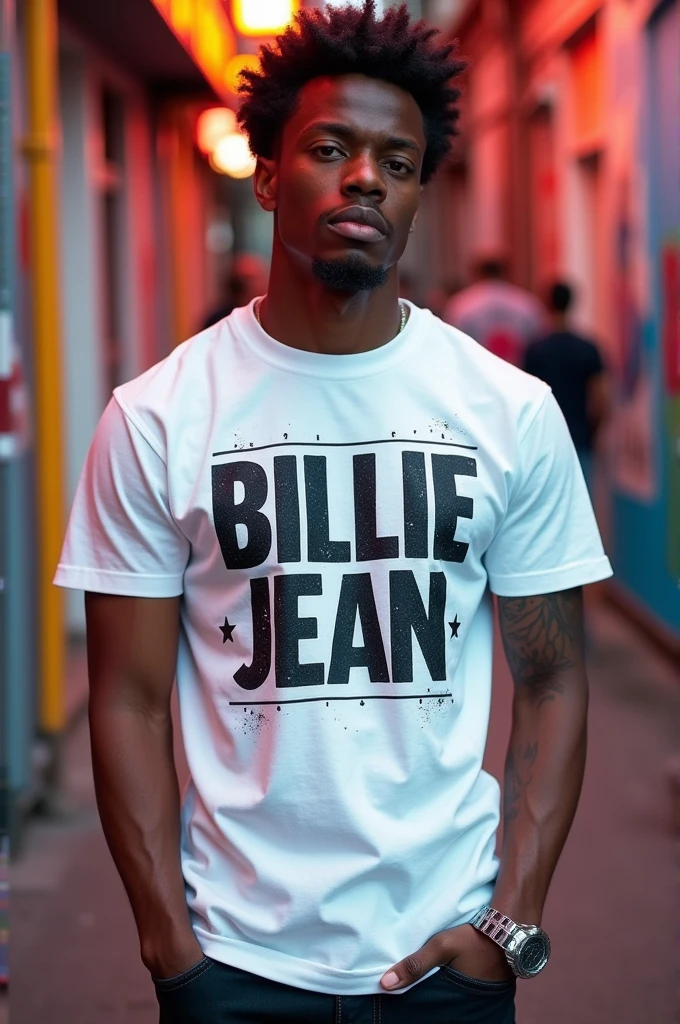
(364, 178)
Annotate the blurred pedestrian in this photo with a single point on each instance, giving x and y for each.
(245, 280)
(295, 524)
(499, 315)
(572, 366)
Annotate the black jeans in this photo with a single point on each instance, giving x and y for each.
(214, 993)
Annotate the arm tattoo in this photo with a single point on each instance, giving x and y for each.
(519, 771)
(542, 637)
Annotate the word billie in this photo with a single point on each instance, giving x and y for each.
(228, 513)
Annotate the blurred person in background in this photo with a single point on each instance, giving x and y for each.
(294, 523)
(499, 315)
(572, 367)
(245, 280)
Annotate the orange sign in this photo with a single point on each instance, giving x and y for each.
(206, 33)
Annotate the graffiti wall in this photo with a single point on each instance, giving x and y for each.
(645, 163)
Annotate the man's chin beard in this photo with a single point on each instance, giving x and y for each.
(349, 274)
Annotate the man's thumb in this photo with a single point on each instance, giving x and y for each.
(412, 967)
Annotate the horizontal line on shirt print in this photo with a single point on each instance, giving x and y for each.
(360, 696)
(345, 444)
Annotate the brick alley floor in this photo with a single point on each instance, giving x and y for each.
(612, 913)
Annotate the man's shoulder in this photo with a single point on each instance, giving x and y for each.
(568, 342)
(545, 345)
(483, 372)
(185, 366)
(175, 389)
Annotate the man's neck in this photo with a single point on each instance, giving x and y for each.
(301, 312)
(559, 322)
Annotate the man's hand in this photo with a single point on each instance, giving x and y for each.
(463, 948)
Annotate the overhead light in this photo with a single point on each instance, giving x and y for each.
(212, 125)
(262, 17)
(232, 156)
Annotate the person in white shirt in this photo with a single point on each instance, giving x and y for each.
(303, 512)
(502, 317)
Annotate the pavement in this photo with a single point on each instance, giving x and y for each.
(612, 913)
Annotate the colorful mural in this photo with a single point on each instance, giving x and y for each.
(646, 304)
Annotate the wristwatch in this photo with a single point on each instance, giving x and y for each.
(526, 946)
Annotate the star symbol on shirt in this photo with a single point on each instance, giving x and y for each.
(227, 630)
(454, 628)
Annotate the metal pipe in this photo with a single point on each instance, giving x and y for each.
(41, 153)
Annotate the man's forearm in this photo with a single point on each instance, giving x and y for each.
(543, 776)
(138, 801)
(543, 642)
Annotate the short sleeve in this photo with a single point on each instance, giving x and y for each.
(121, 536)
(548, 539)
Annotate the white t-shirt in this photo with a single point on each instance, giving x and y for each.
(500, 316)
(335, 526)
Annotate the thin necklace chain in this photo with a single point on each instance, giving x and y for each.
(402, 307)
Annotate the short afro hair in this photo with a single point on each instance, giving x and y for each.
(345, 41)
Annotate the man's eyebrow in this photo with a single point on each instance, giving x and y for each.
(345, 131)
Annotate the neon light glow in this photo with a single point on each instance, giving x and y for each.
(232, 156)
(262, 17)
(212, 125)
(205, 32)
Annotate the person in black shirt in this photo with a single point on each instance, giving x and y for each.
(572, 366)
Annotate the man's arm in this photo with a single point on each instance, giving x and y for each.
(543, 641)
(132, 653)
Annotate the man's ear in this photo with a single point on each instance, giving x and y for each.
(413, 222)
(265, 183)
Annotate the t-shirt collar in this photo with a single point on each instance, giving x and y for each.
(323, 365)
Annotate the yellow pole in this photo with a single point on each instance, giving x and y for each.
(41, 152)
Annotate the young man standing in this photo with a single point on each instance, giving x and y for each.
(572, 367)
(304, 512)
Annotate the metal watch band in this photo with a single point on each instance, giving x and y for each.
(495, 926)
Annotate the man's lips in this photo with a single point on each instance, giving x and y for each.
(360, 223)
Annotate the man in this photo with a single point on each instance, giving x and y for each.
(246, 279)
(572, 366)
(304, 512)
(499, 315)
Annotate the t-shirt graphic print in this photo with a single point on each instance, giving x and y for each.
(271, 509)
(335, 526)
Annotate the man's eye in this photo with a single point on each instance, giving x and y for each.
(326, 151)
(399, 167)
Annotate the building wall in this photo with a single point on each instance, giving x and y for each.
(646, 243)
(568, 120)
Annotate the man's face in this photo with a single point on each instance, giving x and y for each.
(345, 183)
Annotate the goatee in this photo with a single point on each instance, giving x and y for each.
(349, 273)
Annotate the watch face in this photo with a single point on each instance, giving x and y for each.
(533, 954)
